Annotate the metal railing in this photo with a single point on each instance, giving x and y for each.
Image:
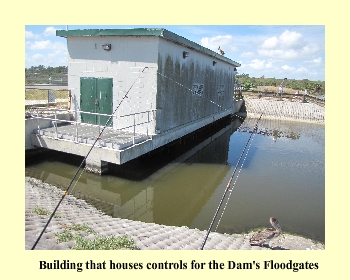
(56, 120)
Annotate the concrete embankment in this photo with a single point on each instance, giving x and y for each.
(285, 109)
(147, 236)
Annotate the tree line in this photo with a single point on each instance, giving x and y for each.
(46, 74)
(41, 69)
(316, 87)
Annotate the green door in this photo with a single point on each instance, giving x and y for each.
(87, 99)
(105, 101)
(96, 96)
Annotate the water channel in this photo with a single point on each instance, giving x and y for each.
(283, 176)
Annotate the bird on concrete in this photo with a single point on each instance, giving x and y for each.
(261, 236)
(220, 51)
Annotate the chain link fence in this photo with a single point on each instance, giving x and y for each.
(50, 98)
(47, 97)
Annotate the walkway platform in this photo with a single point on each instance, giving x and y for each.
(114, 146)
(110, 138)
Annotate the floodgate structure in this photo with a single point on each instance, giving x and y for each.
(142, 88)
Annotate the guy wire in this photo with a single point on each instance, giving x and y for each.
(181, 85)
(251, 140)
(228, 198)
(229, 183)
(83, 161)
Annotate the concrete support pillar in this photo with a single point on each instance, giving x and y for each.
(96, 166)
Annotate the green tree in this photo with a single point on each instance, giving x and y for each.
(247, 86)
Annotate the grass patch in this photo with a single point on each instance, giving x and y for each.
(43, 212)
(42, 94)
(80, 228)
(105, 243)
(75, 233)
(40, 211)
(64, 236)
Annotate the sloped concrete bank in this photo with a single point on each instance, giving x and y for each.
(285, 109)
(147, 236)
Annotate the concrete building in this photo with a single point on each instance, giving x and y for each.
(150, 83)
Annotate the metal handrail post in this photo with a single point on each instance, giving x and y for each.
(99, 128)
(37, 117)
(133, 138)
(76, 131)
(147, 123)
(56, 124)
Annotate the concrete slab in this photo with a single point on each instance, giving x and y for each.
(78, 140)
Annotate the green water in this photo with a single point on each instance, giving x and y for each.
(283, 175)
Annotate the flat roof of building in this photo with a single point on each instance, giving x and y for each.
(156, 32)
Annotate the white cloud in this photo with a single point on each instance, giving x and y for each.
(53, 58)
(281, 54)
(50, 31)
(39, 45)
(269, 64)
(270, 43)
(293, 52)
(46, 53)
(291, 40)
(31, 35)
(295, 71)
(271, 53)
(310, 49)
(34, 60)
(247, 54)
(225, 42)
(289, 45)
(286, 41)
(37, 56)
(257, 64)
(302, 70)
(288, 68)
(317, 62)
(273, 68)
(46, 45)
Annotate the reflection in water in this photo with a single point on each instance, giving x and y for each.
(283, 178)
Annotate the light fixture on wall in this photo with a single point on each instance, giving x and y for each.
(235, 71)
(214, 62)
(107, 47)
(185, 54)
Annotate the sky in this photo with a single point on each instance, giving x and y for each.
(273, 51)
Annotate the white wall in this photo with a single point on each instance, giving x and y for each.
(124, 63)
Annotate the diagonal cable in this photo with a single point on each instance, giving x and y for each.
(228, 186)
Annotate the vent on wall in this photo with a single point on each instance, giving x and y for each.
(107, 47)
(186, 54)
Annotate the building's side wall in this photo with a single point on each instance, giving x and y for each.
(178, 77)
(125, 63)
